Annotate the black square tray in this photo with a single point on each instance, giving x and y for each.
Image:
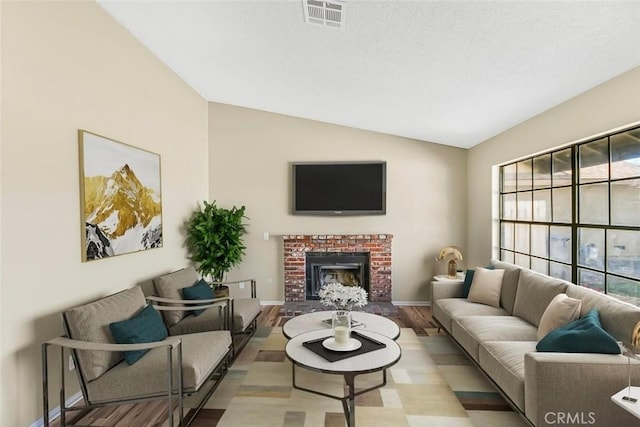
(368, 344)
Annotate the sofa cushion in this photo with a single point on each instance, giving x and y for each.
(90, 322)
(169, 285)
(201, 353)
(444, 310)
(509, 284)
(535, 292)
(617, 317)
(560, 311)
(471, 331)
(503, 361)
(146, 326)
(486, 286)
(581, 336)
(201, 290)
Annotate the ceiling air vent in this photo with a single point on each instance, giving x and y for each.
(327, 13)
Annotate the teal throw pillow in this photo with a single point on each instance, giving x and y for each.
(466, 285)
(584, 335)
(201, 290)
(146, 326)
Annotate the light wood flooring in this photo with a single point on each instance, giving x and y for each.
(153, 414)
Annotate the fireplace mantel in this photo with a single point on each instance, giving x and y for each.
(378, 245)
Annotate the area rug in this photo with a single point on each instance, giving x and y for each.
(432, 385)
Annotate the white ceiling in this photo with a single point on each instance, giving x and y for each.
(450, 72)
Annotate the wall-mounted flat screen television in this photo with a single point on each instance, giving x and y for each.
(340, 188)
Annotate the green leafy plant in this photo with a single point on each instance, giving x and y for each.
(214, 239)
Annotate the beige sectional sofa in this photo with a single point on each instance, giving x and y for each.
(546, 388)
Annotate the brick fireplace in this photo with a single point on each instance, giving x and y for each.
(377, 246)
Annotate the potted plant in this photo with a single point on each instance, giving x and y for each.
(214, 240)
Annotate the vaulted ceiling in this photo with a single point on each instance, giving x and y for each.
(449, 72)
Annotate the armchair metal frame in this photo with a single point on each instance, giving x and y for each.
(172, 343)
(189, 304)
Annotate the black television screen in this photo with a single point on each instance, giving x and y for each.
(339, 188)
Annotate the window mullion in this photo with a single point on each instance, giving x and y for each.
(575, 202)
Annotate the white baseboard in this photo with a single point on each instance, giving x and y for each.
(271, 302)
(55, 412)
(417, 303)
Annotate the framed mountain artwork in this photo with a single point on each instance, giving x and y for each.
(120, 197)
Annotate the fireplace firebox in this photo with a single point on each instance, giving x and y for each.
(377, 246)
(347, 268)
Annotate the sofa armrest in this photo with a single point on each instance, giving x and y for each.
(578, 387)
(442, 290)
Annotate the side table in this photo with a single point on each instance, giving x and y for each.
(632, 407)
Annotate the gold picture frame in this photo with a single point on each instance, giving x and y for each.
(120, 197)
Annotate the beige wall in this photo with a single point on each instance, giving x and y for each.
(250, 153)
(611, 105)
(69, 65)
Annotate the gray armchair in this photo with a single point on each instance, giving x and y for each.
(245, 306)
(178, 366)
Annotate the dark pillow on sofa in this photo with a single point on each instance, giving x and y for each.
(146, 326)
(584, 335)
(466, 285)
(201, 290)
(468, 279)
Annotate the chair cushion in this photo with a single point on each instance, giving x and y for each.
(169, 285)
(146, 326)
(210, 320)
(535, 292)
(201, 290)
(244, 311)
(581, 336)
(201, 353)
(90, 322)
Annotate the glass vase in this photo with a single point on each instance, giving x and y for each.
(341, 323)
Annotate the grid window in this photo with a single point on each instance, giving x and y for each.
(574, 214)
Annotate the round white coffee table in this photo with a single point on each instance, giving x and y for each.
(349, 368)
(314, 321)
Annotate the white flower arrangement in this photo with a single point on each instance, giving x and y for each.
(343, 297)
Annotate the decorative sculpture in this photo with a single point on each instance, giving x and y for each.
(453, 254)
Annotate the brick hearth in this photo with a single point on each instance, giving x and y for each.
(379, 246)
